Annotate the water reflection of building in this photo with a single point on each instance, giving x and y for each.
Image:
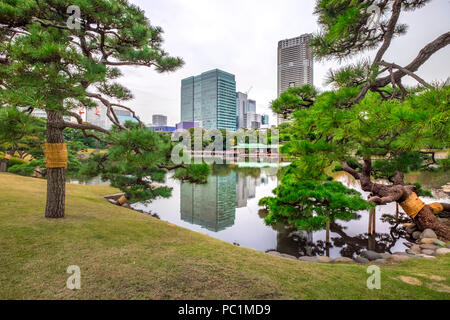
(211, 205)
(246, 188)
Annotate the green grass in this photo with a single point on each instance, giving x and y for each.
(127, 255)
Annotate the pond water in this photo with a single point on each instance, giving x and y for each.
(227, 208)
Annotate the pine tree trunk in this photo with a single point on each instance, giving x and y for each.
(3, 164)
(4, 161)
(426, 219)
(56, 177)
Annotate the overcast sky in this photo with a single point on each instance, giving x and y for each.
(241, 37)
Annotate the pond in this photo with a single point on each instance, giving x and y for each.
(227, 208)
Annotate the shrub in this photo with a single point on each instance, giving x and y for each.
(16, 161)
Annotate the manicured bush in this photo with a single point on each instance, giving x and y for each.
(16, 161)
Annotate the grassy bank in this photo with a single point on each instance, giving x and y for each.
(125, 254)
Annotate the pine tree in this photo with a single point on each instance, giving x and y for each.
(369, 125)
(54, 61)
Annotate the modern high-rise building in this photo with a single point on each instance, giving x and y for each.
(210, 99)
(241, 108)
(295, 64)
(246, 112)
(159, 120)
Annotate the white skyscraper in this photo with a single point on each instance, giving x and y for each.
(295, 64)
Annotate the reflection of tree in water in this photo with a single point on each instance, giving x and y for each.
(295, 243)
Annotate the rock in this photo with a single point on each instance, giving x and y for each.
(126, 205)
(385, 255)
(428, 246)
(428, 252)
(398, 258)
(443, 220)
(411, 229)
(274, 253)
(416, 235)
(439, 243)
(323, 259)
(380, 261)
(371, 255)
(427, 240)
(284, 255)
(424, 256)
(361, 260)
(448, 246)
(400, 253)
(428, 233)
(415, 249)
(342, 260)
(442, 251)
(112, 201)
(308, 259)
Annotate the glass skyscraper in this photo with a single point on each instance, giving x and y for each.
(210, 98)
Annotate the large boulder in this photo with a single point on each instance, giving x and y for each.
(371, 255)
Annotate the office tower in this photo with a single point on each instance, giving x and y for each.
(295, 64)
(159, 120)
(265, 119)
(210, 99)
(241, 106)
(246, 112)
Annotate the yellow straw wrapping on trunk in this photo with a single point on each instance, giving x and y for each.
(437, 207)
(122, 200)
(55, 155)
(412, 205)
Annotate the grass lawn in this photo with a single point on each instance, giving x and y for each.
(128, 255)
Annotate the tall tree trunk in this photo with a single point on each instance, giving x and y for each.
(56, 177)
(4, 161)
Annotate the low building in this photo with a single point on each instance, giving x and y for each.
(162, 128)
(186, 125)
